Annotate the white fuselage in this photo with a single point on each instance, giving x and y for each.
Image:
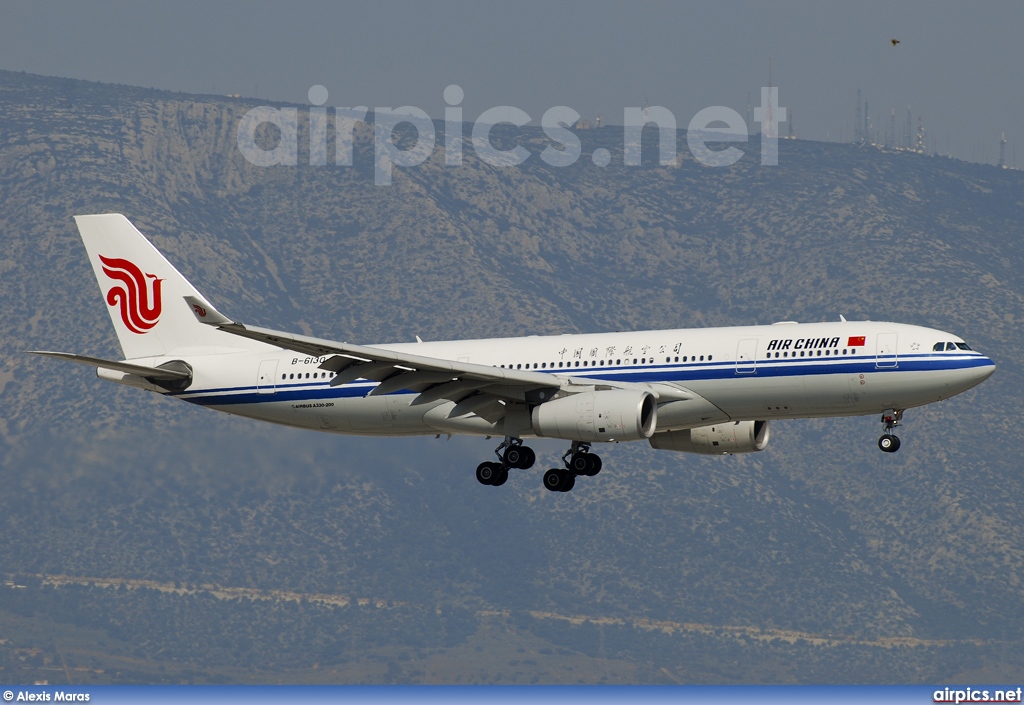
(776, 371)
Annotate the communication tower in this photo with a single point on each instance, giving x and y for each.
(857, 134)
(1002, 150)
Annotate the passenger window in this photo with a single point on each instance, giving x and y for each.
(709, 358)
(702, 358)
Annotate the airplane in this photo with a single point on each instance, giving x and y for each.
(708, 391)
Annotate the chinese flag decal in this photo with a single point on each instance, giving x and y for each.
(855, 342)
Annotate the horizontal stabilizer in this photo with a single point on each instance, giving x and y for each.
(161, 373)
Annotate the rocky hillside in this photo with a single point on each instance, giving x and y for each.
(820, 537)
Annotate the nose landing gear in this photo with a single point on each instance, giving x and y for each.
(889, 442)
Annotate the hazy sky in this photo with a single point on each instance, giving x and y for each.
(958, 65)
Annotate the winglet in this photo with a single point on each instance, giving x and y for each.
(205, 313)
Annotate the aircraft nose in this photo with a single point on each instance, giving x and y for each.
(985, 370)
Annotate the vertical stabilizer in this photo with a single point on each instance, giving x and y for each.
(144, 293)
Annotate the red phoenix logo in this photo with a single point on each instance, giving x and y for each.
(139, 311)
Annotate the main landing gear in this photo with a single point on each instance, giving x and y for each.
(578, 461)
(513, 454)
(889, 442)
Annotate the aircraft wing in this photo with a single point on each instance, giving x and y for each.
(433, 378)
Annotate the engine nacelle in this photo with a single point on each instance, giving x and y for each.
(717, 439)
(606, 415)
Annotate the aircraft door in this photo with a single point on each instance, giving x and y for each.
(746, 357)
(266, 379)
(885, 350)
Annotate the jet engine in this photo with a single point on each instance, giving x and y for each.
(604, 415)
(717, 439)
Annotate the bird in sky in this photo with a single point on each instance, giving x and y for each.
(894, 41)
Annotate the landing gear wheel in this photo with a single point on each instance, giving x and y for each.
(530, 459)
(558, 480)
(578, 463)
(487, 472)
(519, 457)
(500, 478)
(889, 443)
(514, 456)
(593, 464)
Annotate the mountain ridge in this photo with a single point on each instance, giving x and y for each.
(818, 534)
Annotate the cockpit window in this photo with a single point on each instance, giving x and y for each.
(963, 346)
(950, 346)
(939, 346)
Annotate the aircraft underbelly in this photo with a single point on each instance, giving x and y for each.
(388, 415)
(751, 397)
(839, 394)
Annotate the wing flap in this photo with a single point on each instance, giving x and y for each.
(414, 380)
